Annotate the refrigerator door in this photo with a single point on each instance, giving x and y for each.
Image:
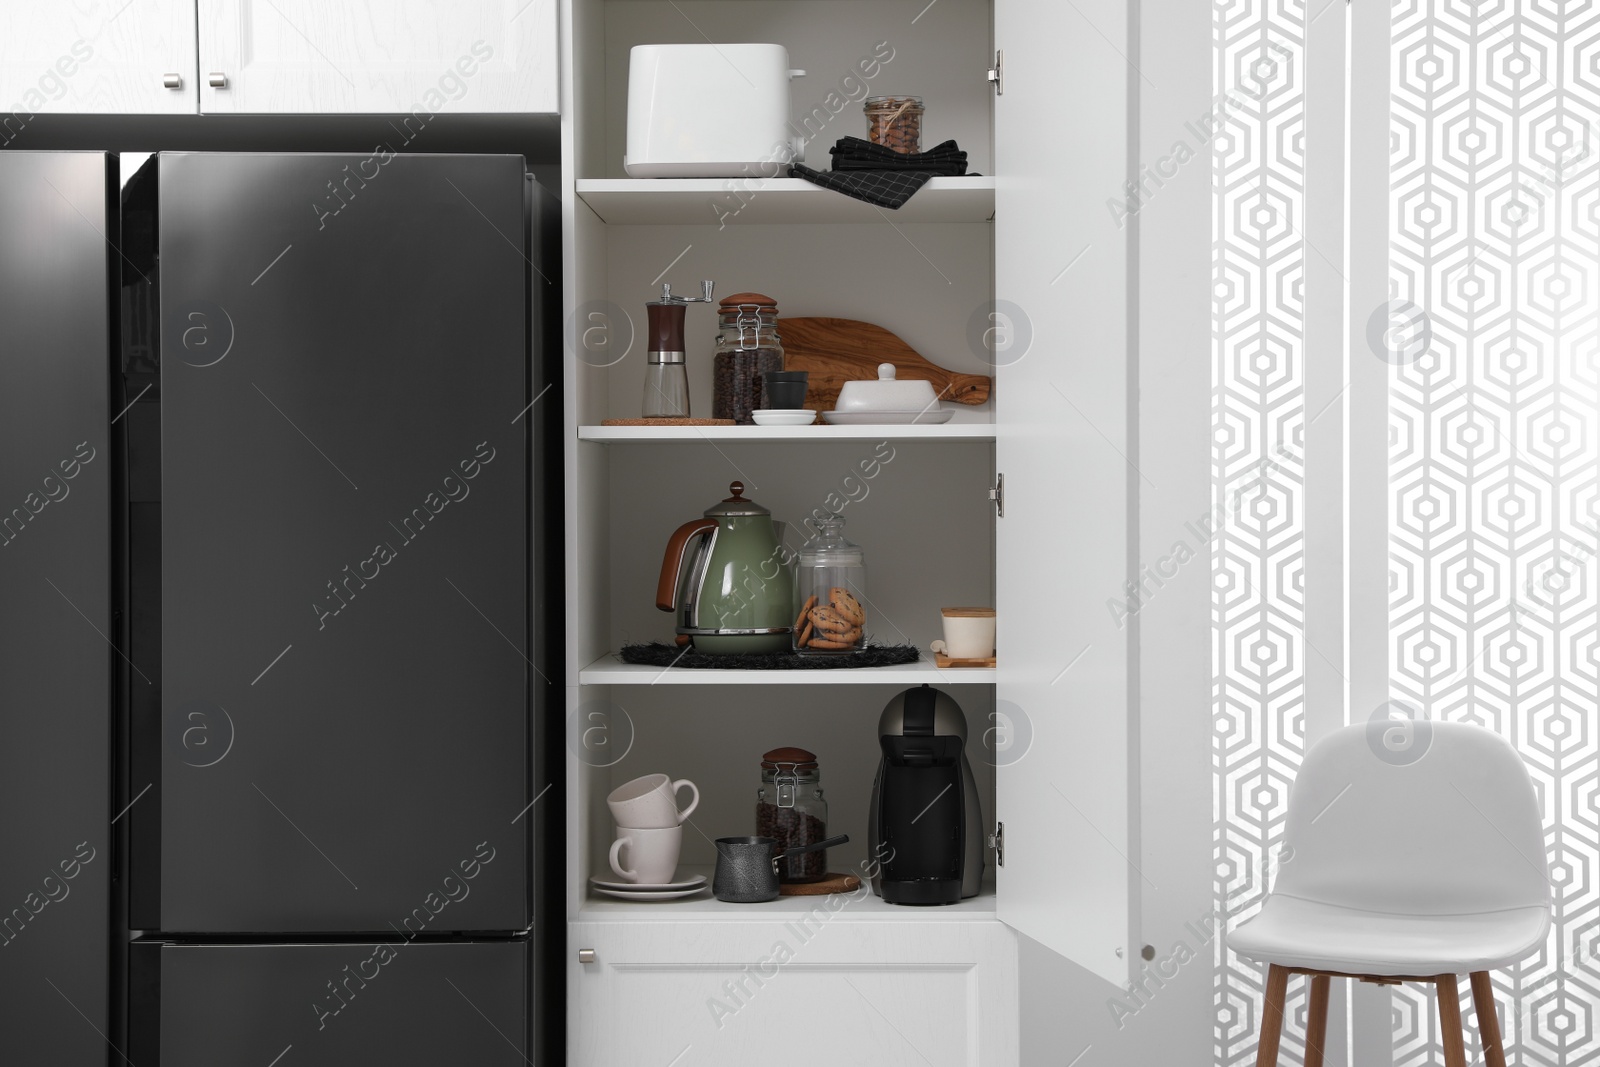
(393, 1003)
(344, 360)
(56, 661)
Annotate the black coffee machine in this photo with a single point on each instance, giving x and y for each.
(925, 826)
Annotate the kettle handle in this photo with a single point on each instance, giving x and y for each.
(672, 562)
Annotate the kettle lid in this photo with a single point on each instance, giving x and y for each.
(735, 504)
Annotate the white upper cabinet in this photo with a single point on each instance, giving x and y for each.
(94, 57)
(1062, 546)
(418, 57)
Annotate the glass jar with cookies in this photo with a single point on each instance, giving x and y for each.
(832, 594)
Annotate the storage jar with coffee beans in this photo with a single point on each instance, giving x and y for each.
(747, 348)
(790, 809)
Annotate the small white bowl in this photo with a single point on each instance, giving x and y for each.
(784, 417)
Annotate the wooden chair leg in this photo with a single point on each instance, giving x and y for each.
(1494, 1053)
(1317, 1021)
(1450, 1032)
(1272, 1016)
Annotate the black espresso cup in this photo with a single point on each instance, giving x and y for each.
(784, 389)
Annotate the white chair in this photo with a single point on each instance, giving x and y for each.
(1414, 852)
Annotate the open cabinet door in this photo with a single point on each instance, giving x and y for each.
(1066, 451)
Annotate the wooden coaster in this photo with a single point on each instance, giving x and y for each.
(943, 660)
(667, 422)
(834, 883)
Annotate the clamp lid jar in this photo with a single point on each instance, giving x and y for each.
(791, 810)
(748, 347)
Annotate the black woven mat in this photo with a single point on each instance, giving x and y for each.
(656, 654)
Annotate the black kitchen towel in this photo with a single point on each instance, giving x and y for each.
(880, 175)
(853, 153)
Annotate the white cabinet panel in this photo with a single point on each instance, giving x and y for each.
(1064, 445)
(831, 990)
(94, 57)
(417, 57)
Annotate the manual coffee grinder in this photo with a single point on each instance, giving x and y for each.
(666, 374)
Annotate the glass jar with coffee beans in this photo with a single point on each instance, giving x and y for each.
(748, 347)
(790, 810)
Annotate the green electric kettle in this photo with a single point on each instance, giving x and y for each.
(729, 579)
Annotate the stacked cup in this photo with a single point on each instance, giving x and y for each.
(649, 828)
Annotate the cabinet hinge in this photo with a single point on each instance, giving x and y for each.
(998, 495)
(997, 841)
(997, 73)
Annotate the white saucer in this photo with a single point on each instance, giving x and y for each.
(784, 417)
(640, 897)
(931, 417)
(697, 882)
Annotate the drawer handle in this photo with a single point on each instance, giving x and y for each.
(586, 955)
(172, 81)
(217, 80)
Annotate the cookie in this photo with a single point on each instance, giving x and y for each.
(805, 634)
(832, 646)
(829, 620)
(845, 603)
(800, 620)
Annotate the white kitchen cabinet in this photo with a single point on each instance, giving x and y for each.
(1035, 296)
(95, 57)
(1063, 431)
(812, 986)
(405, 57)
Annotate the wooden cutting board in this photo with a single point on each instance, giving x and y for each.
(835, 351)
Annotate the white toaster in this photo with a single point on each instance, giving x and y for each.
(709, 111)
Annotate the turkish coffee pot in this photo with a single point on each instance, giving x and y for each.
(728, 579)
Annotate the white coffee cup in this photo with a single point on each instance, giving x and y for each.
(651, 802)
(968, 633)
(652, 854)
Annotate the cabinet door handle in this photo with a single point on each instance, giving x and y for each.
(586, 955)
(217, 80)
(172, 81)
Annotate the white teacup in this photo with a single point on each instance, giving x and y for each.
(968, 633)
(651, 802)
(652, 855)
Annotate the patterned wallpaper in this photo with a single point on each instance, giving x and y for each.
(1494, 225)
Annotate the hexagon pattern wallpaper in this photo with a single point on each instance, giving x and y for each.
(1258, 413)
(1494, 225)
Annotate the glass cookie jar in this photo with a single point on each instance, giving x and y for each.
(791, 810)
(832, 591)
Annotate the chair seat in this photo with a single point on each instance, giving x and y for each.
(1306, 935)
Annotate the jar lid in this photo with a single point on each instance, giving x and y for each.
(829, 548)
(738, 300)
(735, 504)
(798, 758)
(878, 103)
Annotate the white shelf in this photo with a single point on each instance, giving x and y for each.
(609, 670)
(863, 907)
(746, 202)
(955, 431)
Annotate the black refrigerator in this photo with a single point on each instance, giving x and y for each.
(58, 294)
(317, 530)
